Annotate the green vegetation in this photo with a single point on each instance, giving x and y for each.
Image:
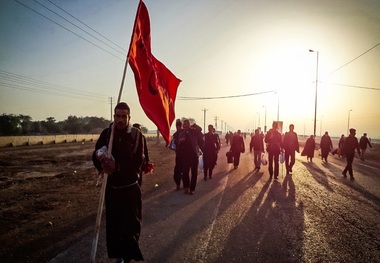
(14, 125)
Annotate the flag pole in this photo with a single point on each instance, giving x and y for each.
(104, 182)
(101, 201)
(129, 50)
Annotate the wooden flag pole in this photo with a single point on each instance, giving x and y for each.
(101, 201)
(129, 50)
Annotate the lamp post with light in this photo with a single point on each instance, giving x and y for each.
(348, 122)
(265, 119)
(316, 88)
(258, 126)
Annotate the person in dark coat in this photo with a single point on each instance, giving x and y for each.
(178, 162)
(364, 141)
(326, 146)
(291, 146)
(273, 140)
(338, 150)
(190, 145)
(309, 148)
(210, 151)
(237, 147)
(340, 145)
(257, 145)
(350, 144)
(122, 195)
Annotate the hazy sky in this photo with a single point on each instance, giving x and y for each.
(218, 48)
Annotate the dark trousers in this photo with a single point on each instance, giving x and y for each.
(257, 158)
(208, 164)
(190, 164)
(177, 170)
(325, 153)
(292, 156)
(236, 158)
(273, 158)
(350, 159)
(123, 222)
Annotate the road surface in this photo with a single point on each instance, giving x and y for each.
(313, 215)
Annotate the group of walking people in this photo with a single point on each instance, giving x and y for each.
(278, 146)
(189, 144)
(124, 162)
(286, 146)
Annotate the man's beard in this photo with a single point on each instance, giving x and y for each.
(120, 125)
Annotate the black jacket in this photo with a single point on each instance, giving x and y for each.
(127, 150)
(350, 144)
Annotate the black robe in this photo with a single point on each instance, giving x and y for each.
(123, 194)
(309, 148)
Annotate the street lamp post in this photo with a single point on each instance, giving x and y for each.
(278, 105)
(204, 119)
(348, 122)
(265, 121)
(304, 125)
(316, 88)
(258, 113)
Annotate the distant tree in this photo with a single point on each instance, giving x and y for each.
(14, 125)
(144, 129)
(26, 124)
(9, 125)
(91, 123)
(73, 125)
(50, 126)
(36, 128)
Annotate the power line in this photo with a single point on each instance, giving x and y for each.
(14, 81)
(122, 53)
(224, 97)
(70, 30)
(353, 86)
(355, 58)
(123, 49)
(26, 80)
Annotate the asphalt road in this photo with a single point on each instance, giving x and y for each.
(314, 215)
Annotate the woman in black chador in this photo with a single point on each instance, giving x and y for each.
(308, 151)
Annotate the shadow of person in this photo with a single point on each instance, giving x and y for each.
(288, 187)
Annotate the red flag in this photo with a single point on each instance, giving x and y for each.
(155, 84)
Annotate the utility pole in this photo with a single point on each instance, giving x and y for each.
(348, 123)
(204, 119)
(216, 122)
(110, 102)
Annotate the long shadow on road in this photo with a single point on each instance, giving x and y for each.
(272, 229)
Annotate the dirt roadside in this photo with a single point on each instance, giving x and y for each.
(49, 200)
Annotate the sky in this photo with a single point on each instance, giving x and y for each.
(66, 58)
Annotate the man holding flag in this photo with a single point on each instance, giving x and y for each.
(122, 194)
(157, 89)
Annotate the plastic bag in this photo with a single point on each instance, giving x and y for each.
(264, 160)
(282, 157)
(201, 162)
(172, 145)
